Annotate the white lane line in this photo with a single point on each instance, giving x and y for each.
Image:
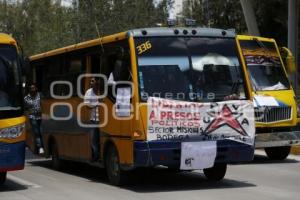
(22, 181)
(291, 156)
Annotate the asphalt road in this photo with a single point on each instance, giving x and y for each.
(261, 179)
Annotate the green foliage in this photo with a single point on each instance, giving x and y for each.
(224, 14)
(42, 26)
(112, 16)
(272, 23)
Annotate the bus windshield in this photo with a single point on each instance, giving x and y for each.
(189, 68)
(265, 69)
(10, 84)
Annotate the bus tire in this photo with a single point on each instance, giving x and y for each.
(216, 173)
(2, 177)
(115, 174)
(172, 169)
(278, 153)
(55, 160)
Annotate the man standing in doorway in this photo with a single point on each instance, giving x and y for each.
(91, 98)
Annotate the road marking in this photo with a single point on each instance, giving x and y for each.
(22, 181)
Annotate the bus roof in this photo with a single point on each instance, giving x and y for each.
(143, 32)
(182, 31)
(250, 37)
(7, 39)
(81, 45)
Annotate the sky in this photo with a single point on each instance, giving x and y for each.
(66, 2)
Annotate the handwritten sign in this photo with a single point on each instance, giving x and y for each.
(180, 120)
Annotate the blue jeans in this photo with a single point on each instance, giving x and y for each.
(95, 138)
(36, 129)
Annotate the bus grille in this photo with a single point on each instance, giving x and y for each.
(272, 114)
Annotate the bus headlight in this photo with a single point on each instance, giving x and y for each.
(12, 132)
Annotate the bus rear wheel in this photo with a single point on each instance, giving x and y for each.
(116, 175)
(2, 177)
(278, 153)
(56, 161)
(215, 173)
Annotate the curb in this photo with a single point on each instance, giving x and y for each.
(295, 150)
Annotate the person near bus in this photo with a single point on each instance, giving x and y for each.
(32, 103)
(92, 101)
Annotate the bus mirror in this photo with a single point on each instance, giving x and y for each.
(288, 59)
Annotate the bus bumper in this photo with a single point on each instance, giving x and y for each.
(12, 156)
(168, 153)
(277, 139)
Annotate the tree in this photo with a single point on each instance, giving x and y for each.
(272, 23)
(40, 27)
(216, 13)
(111, 16)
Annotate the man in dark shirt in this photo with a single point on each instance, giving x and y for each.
(33, 107)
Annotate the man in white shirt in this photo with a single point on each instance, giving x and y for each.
(91, 98)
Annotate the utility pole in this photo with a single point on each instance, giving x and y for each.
(250, 17)
(293, 17)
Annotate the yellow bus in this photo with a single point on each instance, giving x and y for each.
(12, 120)
(276, 109)
(168, 102)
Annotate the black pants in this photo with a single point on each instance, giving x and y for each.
(95, 141)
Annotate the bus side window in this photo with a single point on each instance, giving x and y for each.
(39, 77)
(73, 66)
(120, 67)
(51, 71)
(98, 67)
(95, 64)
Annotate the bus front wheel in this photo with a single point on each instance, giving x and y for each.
(215, 173)
(278, 153)
(2, 177)
(116, 175)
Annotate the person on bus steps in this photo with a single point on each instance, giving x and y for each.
(92, 101)
(33, 107)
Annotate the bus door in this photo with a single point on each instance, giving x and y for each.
(118, 119)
